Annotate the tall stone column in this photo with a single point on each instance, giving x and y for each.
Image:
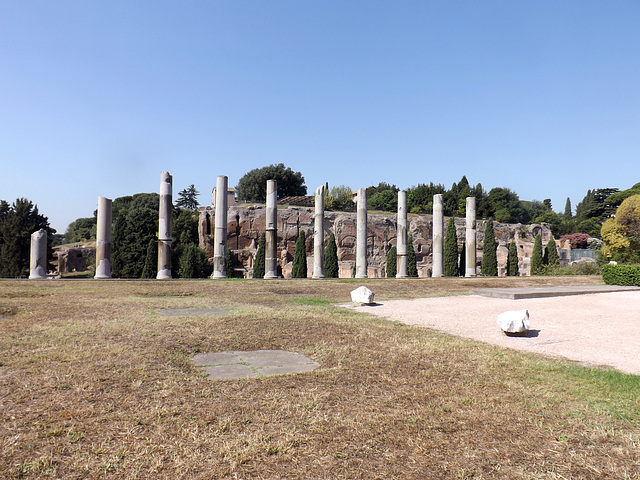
(271, 237)
(437, 268)
(318, 235)
(164, 226)
(220, 236)
(103, 239)
(470, 238)
(402, 235)
(361, 234)
(38, 259)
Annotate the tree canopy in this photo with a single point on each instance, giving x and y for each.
(188, 198)
(17, 222)
(621, 234)
(252, 186)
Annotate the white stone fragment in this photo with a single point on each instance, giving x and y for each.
(362, 295)
(514, 321)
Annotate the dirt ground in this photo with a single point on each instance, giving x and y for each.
(597, 329)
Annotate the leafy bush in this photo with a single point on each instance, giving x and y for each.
(576, 240)
(392, 262)
(621, 274)
(582, 268)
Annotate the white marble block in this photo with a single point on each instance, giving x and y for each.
(514, 321)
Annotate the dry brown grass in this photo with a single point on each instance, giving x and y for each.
(95, 384)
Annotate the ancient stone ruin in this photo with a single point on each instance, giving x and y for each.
(246, 223)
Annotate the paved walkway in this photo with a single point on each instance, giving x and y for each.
(593, 328)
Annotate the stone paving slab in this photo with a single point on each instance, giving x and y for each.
(545, 292)
(258, 363)
(184, 312)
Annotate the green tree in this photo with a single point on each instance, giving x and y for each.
(568, 215)
(331, 258)
(489, 265)
(81, 229)
(537, 267)
(512, 260)
(621, 234)
(188, 198)
(193, 262)
(185, 227)
(462, 264)
(339, 199)
(17, 222)
(258, 265)
(420, 198)
(553, 219)
(412, 264)
(384, 197)
(504, 206)
(392, 261)
(150, 267)
(299, 267)
(551, 256)
(134, 227)
(229, 264)
(450, 250)
(252, 186)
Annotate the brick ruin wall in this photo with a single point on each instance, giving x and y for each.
(246, 223)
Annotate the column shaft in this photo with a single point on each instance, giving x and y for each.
(271, 237)
(103, 239)
(437, 268)
(38, 258)
(318, 235)
(164, 226)
(470, 238)
(402, 243)
(220, 246)
(361, 234)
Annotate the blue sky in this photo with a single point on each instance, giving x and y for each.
(97, 98)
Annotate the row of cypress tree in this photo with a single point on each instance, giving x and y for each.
(299, 268)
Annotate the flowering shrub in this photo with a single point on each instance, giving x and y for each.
(577, 240)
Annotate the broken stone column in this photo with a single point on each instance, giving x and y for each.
(470, 238)
(438, 237)
(164, 227)
(401, 247)
(318, 235)
(38, 260)
(220, 236)
(361, 234)
(103, 239)
(271, 237)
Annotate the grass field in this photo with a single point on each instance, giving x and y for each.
(94, 383)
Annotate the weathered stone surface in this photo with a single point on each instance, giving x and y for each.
(362, 236)
(38, 259)
(470, 238)
(318, 234)
(362, 295)
(381, 233)
(438, 237)
(402, 247)
(103, 239)
(271, 244)
(165, 226)
(220, 237)
(514, 321)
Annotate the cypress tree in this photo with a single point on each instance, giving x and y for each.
(258, 266)
(151, 260)
(189, 262)
(463, 260)
(536, 257)
(392, 262)
(412, 264)
(567, 210)
(551, 256)
(512, 260)
(228, 264)
(489, 266)
(299, 269)
(331, 258)
(451, 250)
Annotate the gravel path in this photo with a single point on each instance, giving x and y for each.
(595, 329)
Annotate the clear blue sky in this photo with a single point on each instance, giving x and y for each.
(97, 98)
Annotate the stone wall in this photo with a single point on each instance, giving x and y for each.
(246, 223)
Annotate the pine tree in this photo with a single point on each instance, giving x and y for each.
(512, 260)
(331, 258)
(258, 265)
(412, 264)
(392, 260)
(551, 256)
(489, 266)
(451, 250)
(299, 269)
(536, 257)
